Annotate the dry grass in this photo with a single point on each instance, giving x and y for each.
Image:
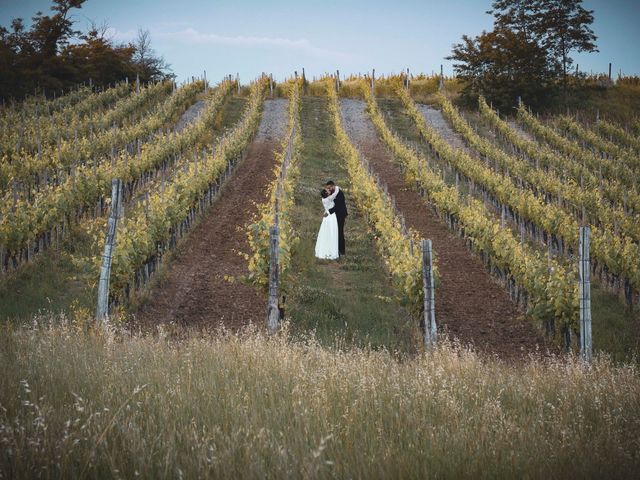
(115, 405)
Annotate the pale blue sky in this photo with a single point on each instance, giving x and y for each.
(250, 36)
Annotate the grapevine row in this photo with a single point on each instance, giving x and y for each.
(549, 288)
(578, 201)
(25, 225)
(37, 105)
(54, 162)
(614, 152)
(280, 202)
(399, 248)
(620, 135)
(619, 254)
(144, 237)
(39, 133)
(93, 103)
(605, 168)
(591, 192)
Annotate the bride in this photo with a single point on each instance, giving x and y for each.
(327, 242)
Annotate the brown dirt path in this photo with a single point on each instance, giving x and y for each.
(195, 290)
(470, 305)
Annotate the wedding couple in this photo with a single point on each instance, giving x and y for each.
(330, 242)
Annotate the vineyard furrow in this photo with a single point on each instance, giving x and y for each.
(619, 255)
(398, 246)
(551, 288)
(201, 286)
(146, 235)
(469, 302)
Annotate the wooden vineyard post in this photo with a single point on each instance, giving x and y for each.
(304, 82)
(441, 85)
(102, 312)
(273, 312)
(137, 83)
(586, 341)
(373, 81)
(430, 329)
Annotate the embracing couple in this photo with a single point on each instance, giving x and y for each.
(330, 242)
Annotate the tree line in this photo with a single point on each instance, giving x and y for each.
(52, 56)
(527, 55)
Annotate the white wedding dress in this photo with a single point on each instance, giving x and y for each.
(327, 242)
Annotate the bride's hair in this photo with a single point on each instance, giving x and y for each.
(324, 193)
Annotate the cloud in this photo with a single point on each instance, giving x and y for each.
(121, 36)
(192, 36)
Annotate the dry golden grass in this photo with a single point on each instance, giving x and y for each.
(115, 405)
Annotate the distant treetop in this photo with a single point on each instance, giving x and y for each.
(44, 58)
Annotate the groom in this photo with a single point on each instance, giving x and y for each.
(340, 209)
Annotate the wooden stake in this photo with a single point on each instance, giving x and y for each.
(102, 311)
(429, 319)
(373, 82)
(273, 312)
(586, 341)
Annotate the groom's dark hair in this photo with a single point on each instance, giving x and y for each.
(330, 182)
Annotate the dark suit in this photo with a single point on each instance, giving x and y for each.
(340, 209)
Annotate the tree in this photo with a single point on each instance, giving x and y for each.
(528, 50)
(43, 56)
(562, 27)
(97, 58)
(51, 33)
(149, 65)
(502, 65)
(517, 15)
(558, 26)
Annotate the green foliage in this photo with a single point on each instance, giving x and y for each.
(44, 58)
(527, 53)
(350, 301)
(399, 249)
(258, 234)
(551, 287)
(502, 65)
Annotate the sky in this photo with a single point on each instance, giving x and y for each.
(247, 37)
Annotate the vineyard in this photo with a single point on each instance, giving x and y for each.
(209, 174)
(157, 249)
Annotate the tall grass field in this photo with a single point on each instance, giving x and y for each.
(116, 405)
